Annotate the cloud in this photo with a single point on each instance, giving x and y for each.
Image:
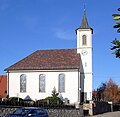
(30, 22)
(64, 34)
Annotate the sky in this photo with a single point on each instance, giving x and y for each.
(30, 25)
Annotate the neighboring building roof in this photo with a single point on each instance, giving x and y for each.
(28, 98)
(84, 23)
(3, 86)
(49, 60)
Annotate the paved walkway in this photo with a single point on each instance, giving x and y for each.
(109, 114)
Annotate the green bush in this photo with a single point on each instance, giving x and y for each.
(14, 99)
(53, 100)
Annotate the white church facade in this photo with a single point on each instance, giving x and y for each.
(69, 71)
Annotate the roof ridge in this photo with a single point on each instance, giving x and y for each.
(58, 49)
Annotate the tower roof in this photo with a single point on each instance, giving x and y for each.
(84, 23)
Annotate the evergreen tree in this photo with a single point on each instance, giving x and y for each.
(116, 42)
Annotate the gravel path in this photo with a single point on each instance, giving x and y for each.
(109, 114)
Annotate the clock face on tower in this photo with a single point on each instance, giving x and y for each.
(84, 52)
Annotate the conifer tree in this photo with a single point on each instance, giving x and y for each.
(116, 42)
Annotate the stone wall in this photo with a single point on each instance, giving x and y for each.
(5, 111)
(52, 112)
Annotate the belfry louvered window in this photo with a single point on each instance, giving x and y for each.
(84, 40)
(23, 83)
(61, 83)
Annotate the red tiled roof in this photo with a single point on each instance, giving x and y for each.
(49, 60)
(3, 86)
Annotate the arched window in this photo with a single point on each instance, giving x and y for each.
(41, 83)
(84, 40)
(61, 83)
(23, 83)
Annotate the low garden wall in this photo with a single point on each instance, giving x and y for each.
(91, 108)
(53, 112)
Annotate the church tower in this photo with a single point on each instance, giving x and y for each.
(84, 47)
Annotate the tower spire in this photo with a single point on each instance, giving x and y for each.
(84, 23)
(84, 8)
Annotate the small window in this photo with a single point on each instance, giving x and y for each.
(84, 40)
(41, 83)
(61, 83)
(23, 83)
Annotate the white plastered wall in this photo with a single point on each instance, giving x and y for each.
(71, 84)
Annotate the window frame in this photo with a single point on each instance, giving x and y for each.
(84, 39)
(42, 86)
(61, 83)
(23, 83)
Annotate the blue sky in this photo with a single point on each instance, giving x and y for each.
(30, 25)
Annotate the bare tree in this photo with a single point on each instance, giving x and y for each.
(111, 91)
(108, 91)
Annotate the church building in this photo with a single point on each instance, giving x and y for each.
(69, 71)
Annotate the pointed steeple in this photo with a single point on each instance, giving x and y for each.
(84, 23)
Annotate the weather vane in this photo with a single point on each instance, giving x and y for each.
(84, 5)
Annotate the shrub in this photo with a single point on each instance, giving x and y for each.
(15, 99)
(53, 100)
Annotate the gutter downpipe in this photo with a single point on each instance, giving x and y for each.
(79, 87)
(8, 83)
